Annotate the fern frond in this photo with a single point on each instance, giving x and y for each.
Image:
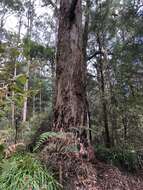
(23, 171)
(45, 136)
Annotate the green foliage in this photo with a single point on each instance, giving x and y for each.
(6, 134)
(21, 79)
(121, 157)
(45, 136)
(2, 48)
(2, 147)
(35, 50)
(14, 5)
(24, 172)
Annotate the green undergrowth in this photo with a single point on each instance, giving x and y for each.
(24, 172)
(2, 147)
(45, 136)
(123, 158)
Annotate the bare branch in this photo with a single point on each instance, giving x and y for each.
(98, 53)
(94, 55)
(50, 2)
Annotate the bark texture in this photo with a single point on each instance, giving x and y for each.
(70, 106)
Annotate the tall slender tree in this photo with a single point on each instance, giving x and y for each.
(30, 17)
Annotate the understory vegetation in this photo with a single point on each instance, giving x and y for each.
(71, 94)
(126, 159)
(25, 172)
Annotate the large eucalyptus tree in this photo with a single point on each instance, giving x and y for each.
(70, 105)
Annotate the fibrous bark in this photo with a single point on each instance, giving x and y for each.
(70, 106)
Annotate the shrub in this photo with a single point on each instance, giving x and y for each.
(24, 172)
(120, 157)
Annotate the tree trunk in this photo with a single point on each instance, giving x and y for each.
(102, 87)
(70, 106)
(125, 124)
(13, 102)
(85, 43)
(29, 32)
(26, 90)
(53, 82)
(13, 106)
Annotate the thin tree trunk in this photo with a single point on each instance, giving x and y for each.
(13, 109)
(85, 42)
(29, 31)
(40, 100)
(125, 125)
(13, 103)
(53, 82)
(113, 101)
(70, 106)
(40, 94)
(103, 99)
(26, 90)
(33, 107)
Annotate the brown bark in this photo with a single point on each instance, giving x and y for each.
(85, 43)
(102, 90)
(70, 106)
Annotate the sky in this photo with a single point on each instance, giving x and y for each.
(12, 21)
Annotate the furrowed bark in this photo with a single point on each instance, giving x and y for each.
(70, 106)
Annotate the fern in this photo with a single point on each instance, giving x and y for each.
(45, 136)
(24, 172)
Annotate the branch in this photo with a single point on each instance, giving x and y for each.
(51, 3)
(97, 53)
(91, 75)
(94, 55)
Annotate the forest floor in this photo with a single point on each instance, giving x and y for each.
(101, 176)
(76, 173)
(84, 175)
(111, 178)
